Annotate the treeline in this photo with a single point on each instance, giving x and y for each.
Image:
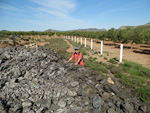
(138, 35)
(18, 33)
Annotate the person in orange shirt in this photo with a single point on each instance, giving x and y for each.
(77, 56)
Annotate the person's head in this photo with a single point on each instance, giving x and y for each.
(76, 49)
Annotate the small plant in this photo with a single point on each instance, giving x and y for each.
(101, 55)
(94, 58)
(105, 58)
(107, 54)
(113, 61)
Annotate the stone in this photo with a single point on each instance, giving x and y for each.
(99, 78)
(55, 100)
(111, 110)
(97, 102)
(2, 109)
(26, 103)
(128, 107)
(61, 111)
(87, 75)
(142, 108)
(46, 103)
(62, 103)
(72, 111)
(110, 81)
(70, 100)
(16, 106)
(71, 93)
(74, 83)
(54, 107)
(105, 96)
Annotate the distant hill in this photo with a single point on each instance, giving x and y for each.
(51, 30)
(3, 30)
(89, 29)
(146, 26)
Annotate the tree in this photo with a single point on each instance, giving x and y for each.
(136, 37)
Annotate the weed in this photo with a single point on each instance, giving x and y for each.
(113, 61)
(101, 55)
(105, 58)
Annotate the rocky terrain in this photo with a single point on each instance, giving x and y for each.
(36, 80)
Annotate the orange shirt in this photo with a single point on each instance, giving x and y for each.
(76, 56)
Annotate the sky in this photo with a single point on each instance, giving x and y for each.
(40, 15)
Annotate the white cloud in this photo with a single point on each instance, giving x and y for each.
(8, 7)
(59, 8)
(56, 14)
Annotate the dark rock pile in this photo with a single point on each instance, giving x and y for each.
(38, 81)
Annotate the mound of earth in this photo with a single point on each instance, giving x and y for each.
(36, 80)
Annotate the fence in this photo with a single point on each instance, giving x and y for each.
(79, 40)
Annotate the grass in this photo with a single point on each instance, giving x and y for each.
(135, 69)
(134, 76)
(92, 64)
(144, 92)
(58, 43)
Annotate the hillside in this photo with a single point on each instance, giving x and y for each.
(145, 26)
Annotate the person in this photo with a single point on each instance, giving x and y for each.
(77, 56)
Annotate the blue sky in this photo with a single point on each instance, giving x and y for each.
(40, 15)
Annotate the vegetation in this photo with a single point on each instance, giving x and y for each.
(134, 76)
(18, 33)
(138, 35)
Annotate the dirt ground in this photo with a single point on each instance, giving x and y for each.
(139, 54)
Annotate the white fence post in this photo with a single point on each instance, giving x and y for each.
(85, 42)
(81, 41)
(91, 44)
(101, 47)
(121, 52)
